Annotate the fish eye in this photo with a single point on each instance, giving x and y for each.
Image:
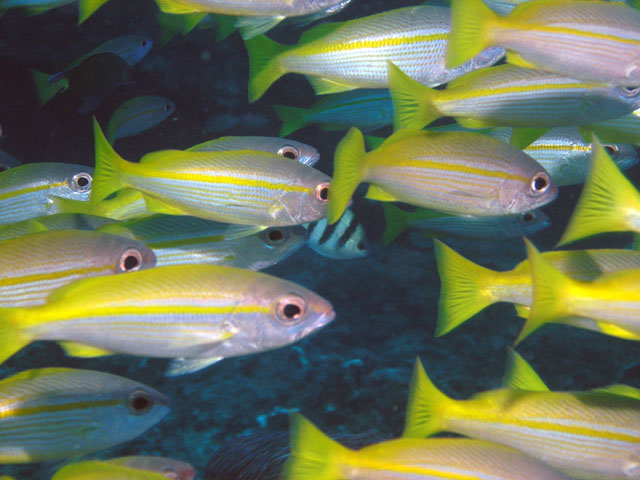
(81, 182)
(322, 192)
(540, 183)
(361, 246)
(274, 236)
(289, 152)
(167, 107)
(527, 217)
(130, 261)
(612, 150)
(144, 44)
(630, 91)
(139, 402)
(291, 309)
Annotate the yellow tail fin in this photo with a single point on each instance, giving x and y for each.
(550, 289)
(264, 67)
(396, 223)
(314, 456)
(86, 8)
(424, 409)
(413, 104)
(106, 177)
(45, 90)
(463, 290)
(12, 336)
(348, 171)
(520, 375)
(606, 201)
(470, 24)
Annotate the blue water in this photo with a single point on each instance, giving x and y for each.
(353, 375)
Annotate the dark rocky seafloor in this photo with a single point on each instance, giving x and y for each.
(351, 376)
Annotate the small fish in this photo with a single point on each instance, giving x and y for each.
(58, 413)
(343, 240)
(454, 172)
(467, 288)
(169, 467)
(178, 240)
(436, 224)
(594, 41)
(137, 115)
(57, 221)
(34, 265)
(245, 187)
(315, 456)
(100, 470)
(337, 57)
(508, 95)
(8, 161)
(298, 151)
(195, 314)
(609, 201)
(26, 191)
(587, 435)
(367, 109)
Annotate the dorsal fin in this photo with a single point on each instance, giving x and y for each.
(521, 376)
(319, 31)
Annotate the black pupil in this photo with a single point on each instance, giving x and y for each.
(167, 107)
(83, 181)
(131, 262)
(539, 183)
(528, 217)
(324, 193)
(291, 310)
(140, 403)
(360, 246)
(290, 154)
(143, 43)
(275, 235)
(609, 149)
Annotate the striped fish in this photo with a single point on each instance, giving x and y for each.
(137, 115)
(505, 7)
(26, 191)
(354, 54)
(456, 173)
(197, 314)
(298, 151)
(7, 161)
(592, 40)
(101, 470)
(177, 240)
(367, 109)
(587, 435)
(59, 413)
(58, 221)
(622, 129)
(508, 95)
(245, 186)
(169, 467)
(342, 240)
(468, 288)
(34, 265)
(315, 456)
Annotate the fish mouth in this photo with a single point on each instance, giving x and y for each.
(323, 320)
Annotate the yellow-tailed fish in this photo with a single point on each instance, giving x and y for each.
(8, 161)
(177, 239)
(611, 302)
(124, 204)
(436, 224)
(609, 202)
(169, 467)
(345, 239)
(587, 435)
(101, 470)
(137, 115)
(59, 413)
(315, 456)
(505, 7)
(197, 314)
(240, 186)
(508, 95)
(298, 151)
(591, 40)
(338, 57)
(58, 221)
(34, 265)
(455, 172)
(468, 288)
(27, 191)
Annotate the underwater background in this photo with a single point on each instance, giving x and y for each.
(353, 375)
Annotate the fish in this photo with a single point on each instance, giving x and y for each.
(57, 221)
(624, 129)
(8, 161)
(454, 172)
(610, 301)
(609, 202)
(468, 288)
(508, 95)
(367, 109)
(244, 187)
(436, 224)
(169, 467)
(595, 41)
(34, 265)
(586, 435)
(33, 7)
(26, 191)
(343, 240)
(100, 470)
(298, 151)
(57, 413)
(178, 240)
(125, 204)
(338, 57)
(137, 115)
(316, 456)
(194, 314)
(256, 16)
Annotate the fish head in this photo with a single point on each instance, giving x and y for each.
(277, 243)
(527, 186)
(133, 48)
(306, 199)
(298, 151)
(629, 97)
(533, 221)
(122, 253)
(624, 155)
(73, 182)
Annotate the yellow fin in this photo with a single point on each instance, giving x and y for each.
(620, 390)
(106, 177)
(377, 193)
(324, 86)
(348, 171)
(520, 375)
(515, 59)
(474, 123)
(250, 27)
(471, 22)
(67, 205)
(86, 8)
(292, 118)
(616, 331)
(522, 311)
(523, 137)
(425, 405)
(319, 31)
(264, 66)
(414, 105)
(396, 221)
(171, 6)
(83, 351)
(13, 337)
(401, 135)
(191, 21)
(373, 142)
(45, 90)
(156, 205)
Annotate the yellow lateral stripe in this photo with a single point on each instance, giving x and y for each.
(9, 412)
(539, 146)
(40, 277)
(575, 32)
(419, 470)
(320, 47)
(426, 164)
(171, 309)
(457, 93)
(26, 190)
